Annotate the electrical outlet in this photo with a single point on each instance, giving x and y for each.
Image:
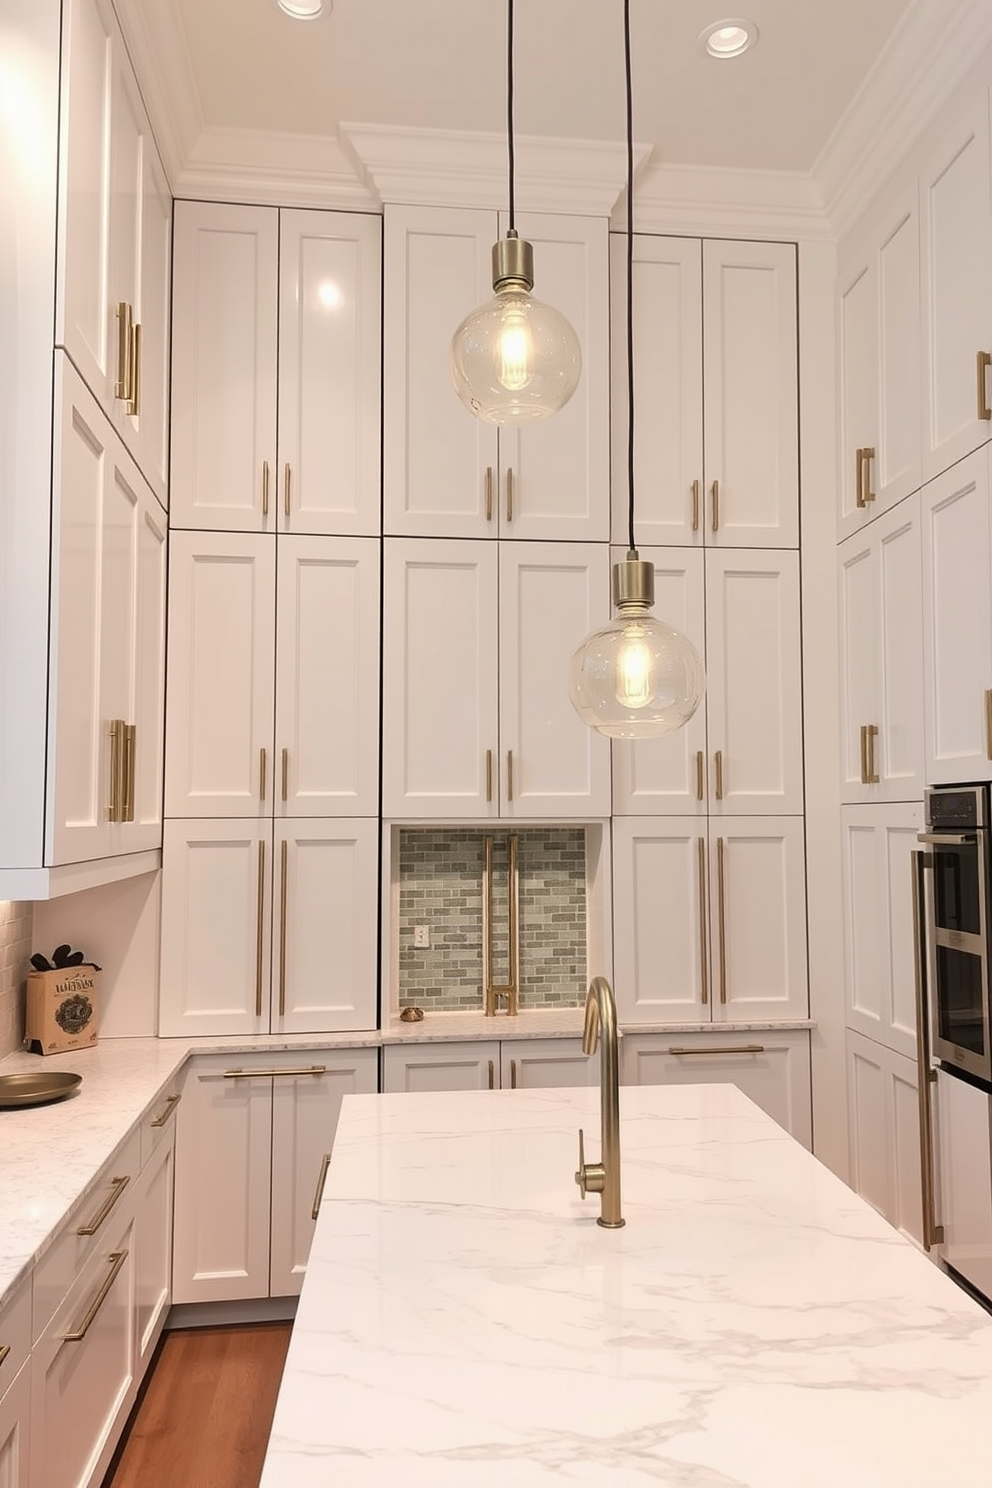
(421, 937)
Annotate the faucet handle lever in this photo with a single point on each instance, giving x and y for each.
(591, 1177)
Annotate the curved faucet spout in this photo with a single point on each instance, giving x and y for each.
(603, 1177)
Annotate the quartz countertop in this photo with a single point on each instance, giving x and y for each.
(465, 1323)
(450, 1027)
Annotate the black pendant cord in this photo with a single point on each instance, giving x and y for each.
(630, 273)
(509, 107)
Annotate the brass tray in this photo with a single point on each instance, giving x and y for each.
(36, 1089)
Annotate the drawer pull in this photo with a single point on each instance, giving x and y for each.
(695, 506)
(325, 1163)
(76, 1335)
(4, 1351)
(722, 1049)
(984, 363)
(117, 1187)
(256, 1074)
(170, 1107)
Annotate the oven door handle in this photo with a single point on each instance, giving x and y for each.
(933, 1233)
(948, 839)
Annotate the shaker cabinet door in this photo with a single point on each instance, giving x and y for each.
(661, 920)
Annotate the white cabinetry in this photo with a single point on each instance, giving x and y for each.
(709, 925)
(252, 1134)
(881, 622)
(153, 1225)
(15, 1388)
(957, 611)
(477, 720)
(770, 1066)
(883, 1114)
(445, 473)
(964, 1124)
(716, 448)
(276, 306)
(511, 1064)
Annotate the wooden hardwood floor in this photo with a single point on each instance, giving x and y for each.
(204, 1416)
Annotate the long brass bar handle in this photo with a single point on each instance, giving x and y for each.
(509, 774)
(715, 493)
(721, 884)
(122, 387)
(134, 402)
(489, 774)
(699, 775)
(130, 746)
(867, 455)
(325, 1163)
(489, 493)
(513, 929)
(265, 488)
(170, 1109)
(487, 925)
(718, 762)
(695, 506)
(933, 1233)
(859, 478)
(259, 929)
(262, 772)
(513, 1074)
(871, 734)
(864, 754)
(271, 1074)
(285, 774)
(509, 493)
(77, 1334)
(283, 895)
(720, 1049)
(286, 490)
(116, 731)
(988, 722)
(703, 974)
(4, 1351)
(117, 1187)
(984, 363)
(492, 1075)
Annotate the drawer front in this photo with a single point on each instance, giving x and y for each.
(15, 1335)
(105, 1200)
(160, 1119)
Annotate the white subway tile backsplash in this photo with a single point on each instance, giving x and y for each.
(15, 949)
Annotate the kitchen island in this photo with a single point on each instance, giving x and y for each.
(465, 1323)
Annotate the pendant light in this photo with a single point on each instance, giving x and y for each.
(514, 360)
(637, 677)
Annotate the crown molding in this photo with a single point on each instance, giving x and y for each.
(287, 170)
(158, 46)
(923, 64)
(707, 201)
(442, 168)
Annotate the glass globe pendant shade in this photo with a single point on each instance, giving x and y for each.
(514, 360)
(637, 677)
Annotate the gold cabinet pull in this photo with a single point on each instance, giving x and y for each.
(715, 493)
(871, 773)
(134, 400)
(718, 762)
(275, 1074)
(699, 774)
(859, 478)
(867, 455)
(286, 489)
(283, 892)
(513, 1074)
(130, 745)
(77, 1334)
(116, 807)
(125, 343)
(719, 1049)
(509, 494)
(489, 774)
(117, 1187)
(510, 990)
(4, 1351)
(170, 1107)
(695, 506)
(703, 975)
(285, 774)
(721, 876)
(265, 488)
(325, 1163)
(988, 722)
(492, 1075)
(262, 761)
(984, 363)
(863, 731)
(489, 493)
(933, 1233)
(259, 929)
(509, 774)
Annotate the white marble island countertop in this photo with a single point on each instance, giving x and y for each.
(465, 1323)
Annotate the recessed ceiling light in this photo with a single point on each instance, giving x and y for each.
(729, 38)
(305, 10)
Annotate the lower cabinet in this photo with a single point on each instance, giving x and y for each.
(512, 1064)
(884, 1127)
(153, 1228)
(15, 1388)
(252, 1134)
(771, 1067)
(964, 1178)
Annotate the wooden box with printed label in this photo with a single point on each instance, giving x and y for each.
(62, 1009)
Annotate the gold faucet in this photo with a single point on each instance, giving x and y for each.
(603, 1177)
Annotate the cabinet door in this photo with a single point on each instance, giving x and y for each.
(327, 677)
(15, 1411)
(305, 1112)
(878, 922)
(668, 388)
(771, 1067)
(439, 462)
(555, 473)
(216, 916)
(669, 774)
(956, 249)
(858, 614)
(456, 1066)
(329, 372)
(957, 629)
(325, 952)
(896, 468)
(754, 683)
(147, 689)
(440, 731)
(965, 1204)
(551, 596)
(148, 424)
(858, 328)
(223, 1163)
(661, 923)
(219, 719)
(153, 1248)
(224, 337)
(883, 1115)
(750, 394)
(758, 917)
(546, 1064)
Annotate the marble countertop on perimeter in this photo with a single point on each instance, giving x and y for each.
(465, 1323)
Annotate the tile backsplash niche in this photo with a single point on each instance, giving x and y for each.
(15, 949)
(440, 887)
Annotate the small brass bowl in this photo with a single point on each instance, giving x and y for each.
(412, 1015)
